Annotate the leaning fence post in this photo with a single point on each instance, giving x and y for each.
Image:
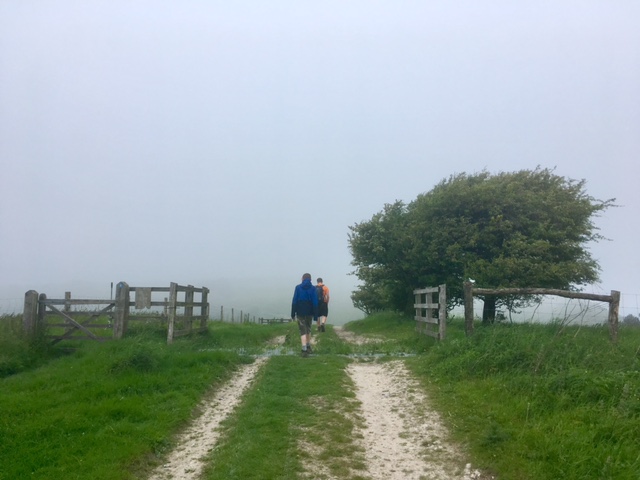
(468, 308)
(121, 317)
(30, 314)
(614, 309)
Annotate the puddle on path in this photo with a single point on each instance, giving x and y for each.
(278, 352)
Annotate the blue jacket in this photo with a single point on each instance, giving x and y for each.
(305, 300)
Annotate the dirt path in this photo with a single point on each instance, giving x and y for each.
(402, 437)
(186, 461)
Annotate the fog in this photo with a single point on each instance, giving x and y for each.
(232, 144)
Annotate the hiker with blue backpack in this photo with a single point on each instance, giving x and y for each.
(304, 309)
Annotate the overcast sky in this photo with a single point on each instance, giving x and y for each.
(230, 144)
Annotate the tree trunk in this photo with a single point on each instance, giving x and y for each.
(489, 310)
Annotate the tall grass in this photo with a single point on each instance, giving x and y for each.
(17, 354)
(532, 401)
(529, 401)
(541, 401)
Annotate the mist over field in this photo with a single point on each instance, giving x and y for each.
(232, 144)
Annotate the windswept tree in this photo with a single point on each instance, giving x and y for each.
(380, 246)
(521, 229)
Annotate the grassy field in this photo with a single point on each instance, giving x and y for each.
(541, 401)
(528, 401)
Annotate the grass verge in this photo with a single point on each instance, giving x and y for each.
(534, 401)
(110, 410)
(528, 401)
(296, 422)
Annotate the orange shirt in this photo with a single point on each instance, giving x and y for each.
(325, 292)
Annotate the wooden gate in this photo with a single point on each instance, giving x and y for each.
(100, 320)
(68, 319)
(180, 297)
(431, 315)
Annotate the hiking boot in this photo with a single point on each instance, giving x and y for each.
(304, 353)
(322, 327)
(309, 350)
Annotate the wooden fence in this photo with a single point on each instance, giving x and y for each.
(431, 315)
(613, 300)
(87, 319)
(71, 319)
(274, 320)
(247, 318)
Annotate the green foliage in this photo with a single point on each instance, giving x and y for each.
(521, 229)
(297, 404)
(110, 409)
(529, 401)
(17, 354)
(250, 337)
(568, 400)
(379, 248)
(532, 401)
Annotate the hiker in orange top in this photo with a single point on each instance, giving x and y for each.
(323, 304)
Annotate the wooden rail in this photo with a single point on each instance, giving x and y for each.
(431, 316)
(274, 320)
(178, 325)
(613, 300)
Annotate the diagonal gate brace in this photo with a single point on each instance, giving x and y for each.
(76, 325)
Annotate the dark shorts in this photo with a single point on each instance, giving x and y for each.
(304, 324)
(323, 310)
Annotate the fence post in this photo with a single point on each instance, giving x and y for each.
(417, 299)
(121, 317)
(188, 309)
(614, 310)
(173, 299)
(30, 314)
(468, 308)
(442, 311)
(41, 325)
(204, 310)
(67, 301)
